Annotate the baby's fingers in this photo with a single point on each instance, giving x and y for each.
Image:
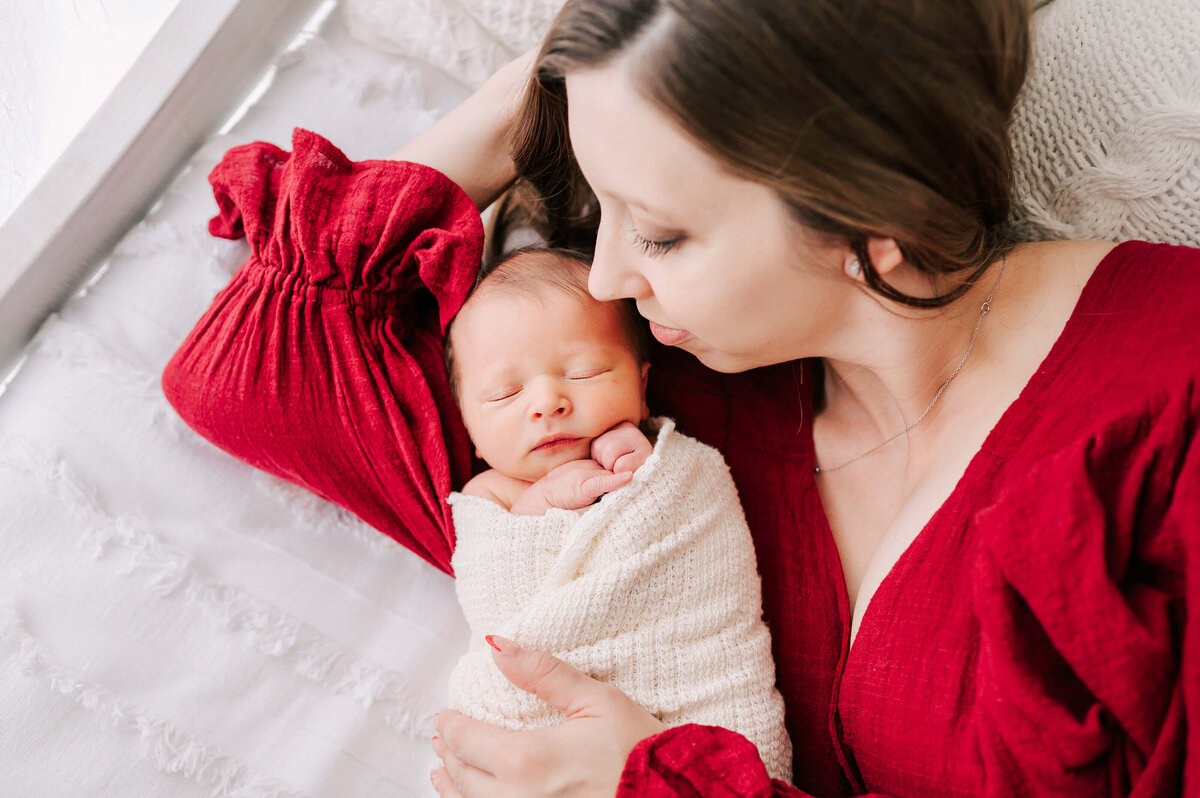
(606, 450)
(629, 462)
(595, 487)
(634, 459)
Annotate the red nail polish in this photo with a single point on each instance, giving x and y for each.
(492, 642)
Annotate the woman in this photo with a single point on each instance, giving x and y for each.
(968, 464)
(817, 180)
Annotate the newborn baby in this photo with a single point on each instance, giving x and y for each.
(625, 555)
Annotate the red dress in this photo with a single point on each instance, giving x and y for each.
(1035, 639)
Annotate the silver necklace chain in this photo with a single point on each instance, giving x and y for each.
(984, 309)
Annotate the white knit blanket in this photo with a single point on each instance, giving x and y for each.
(469, 39)
(1107, 132)
(654, 589)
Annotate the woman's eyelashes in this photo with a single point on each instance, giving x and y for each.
(652, 246)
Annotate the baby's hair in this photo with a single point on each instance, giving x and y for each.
(529, 271)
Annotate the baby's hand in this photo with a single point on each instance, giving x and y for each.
(571, 486)
(623, 449)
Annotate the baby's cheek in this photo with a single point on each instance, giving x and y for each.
(622, 397)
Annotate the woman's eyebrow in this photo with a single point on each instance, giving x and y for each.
(657, 214)
(631, 202)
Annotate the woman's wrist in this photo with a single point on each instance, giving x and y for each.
(470, 145)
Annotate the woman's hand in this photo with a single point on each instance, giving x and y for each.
(470, 145)
(583, 756)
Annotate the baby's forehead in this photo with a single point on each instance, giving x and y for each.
(532, 271)
(491, 312)
(532, 276)
(504, 327)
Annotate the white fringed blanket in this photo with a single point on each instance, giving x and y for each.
(172, 622)
(654, 589)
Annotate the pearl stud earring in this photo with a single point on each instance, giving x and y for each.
(854, 268)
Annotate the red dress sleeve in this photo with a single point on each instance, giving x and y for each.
(695, 760)
(700, 762)
(322, 361)
(1091, 635)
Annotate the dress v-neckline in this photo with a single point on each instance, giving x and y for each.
(986, 456)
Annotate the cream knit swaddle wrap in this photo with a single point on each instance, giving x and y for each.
(654, 589)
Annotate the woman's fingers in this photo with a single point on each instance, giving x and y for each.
(459, 779)
(582, 756)
(440, 778)
(558, 684)
(469, 741)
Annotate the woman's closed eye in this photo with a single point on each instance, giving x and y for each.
(654, 247)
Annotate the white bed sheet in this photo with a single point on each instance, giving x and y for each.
(173, 622)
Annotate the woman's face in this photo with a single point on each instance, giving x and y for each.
(715, 262)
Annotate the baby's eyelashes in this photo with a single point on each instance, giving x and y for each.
(507, 392)
(586, 374)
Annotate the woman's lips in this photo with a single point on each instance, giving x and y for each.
(669, 335)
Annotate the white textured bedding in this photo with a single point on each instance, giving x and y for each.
(172, 622)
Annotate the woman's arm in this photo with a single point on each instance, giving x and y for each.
(320, 362)
(470, 145)
(608, 745)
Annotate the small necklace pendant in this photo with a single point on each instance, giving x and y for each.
(984, 309)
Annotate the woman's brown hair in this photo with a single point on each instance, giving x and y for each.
(869, 118)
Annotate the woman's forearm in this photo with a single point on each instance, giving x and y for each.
(470, 145)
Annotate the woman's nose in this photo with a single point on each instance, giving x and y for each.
(614, 273)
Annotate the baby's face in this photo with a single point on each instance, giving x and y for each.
(539, 377)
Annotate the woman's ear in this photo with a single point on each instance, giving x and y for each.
(885, 254)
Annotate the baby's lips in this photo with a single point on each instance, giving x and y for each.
(553, 442)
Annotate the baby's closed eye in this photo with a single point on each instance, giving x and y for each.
(500, 394)
(584, 374)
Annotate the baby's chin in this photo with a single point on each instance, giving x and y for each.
(542, 463)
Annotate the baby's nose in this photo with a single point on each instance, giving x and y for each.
(550, 402)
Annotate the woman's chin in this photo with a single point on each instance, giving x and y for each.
(724, 362)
